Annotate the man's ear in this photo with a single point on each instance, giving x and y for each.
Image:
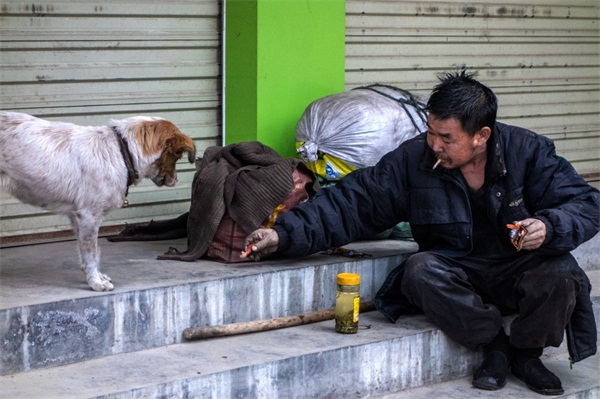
(482, 136)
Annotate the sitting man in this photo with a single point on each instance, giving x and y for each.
(460, 185)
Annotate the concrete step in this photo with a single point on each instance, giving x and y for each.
(402, 360)
(309, 361)
(49, 317)
(580, 382)
(59, 339)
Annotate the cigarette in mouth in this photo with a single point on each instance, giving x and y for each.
(436, 164)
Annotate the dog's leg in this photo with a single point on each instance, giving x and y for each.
(86, 226)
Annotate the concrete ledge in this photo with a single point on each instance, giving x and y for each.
(49, 317)
(385, 360)
(301, 362)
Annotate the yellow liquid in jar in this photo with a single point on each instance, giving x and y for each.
(346, 312)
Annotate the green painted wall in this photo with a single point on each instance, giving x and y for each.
(280, 55)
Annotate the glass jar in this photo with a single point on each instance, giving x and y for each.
(347, 303)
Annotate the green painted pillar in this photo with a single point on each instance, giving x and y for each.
(280, 55)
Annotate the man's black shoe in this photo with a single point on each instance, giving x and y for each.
(491, 374)
(532, 372)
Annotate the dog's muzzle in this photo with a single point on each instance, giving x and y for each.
(161, 181)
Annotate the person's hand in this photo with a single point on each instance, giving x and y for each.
(261, 242)
(536, 233)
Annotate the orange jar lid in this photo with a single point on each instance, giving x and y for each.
(348, 279)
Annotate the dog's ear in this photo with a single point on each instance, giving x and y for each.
(190, 148)
(182, 143)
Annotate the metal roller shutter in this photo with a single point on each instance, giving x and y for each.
(89, 62)
(541, 58)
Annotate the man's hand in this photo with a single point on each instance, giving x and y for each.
(262, 242)
(536, 233)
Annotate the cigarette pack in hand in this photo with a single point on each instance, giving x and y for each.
(517, 234)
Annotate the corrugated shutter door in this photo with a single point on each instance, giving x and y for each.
(89, 62)
(541, 58)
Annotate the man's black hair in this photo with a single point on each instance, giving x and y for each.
(460, 96)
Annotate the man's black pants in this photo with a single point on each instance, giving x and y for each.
(466, 298)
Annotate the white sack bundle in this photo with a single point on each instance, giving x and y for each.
(361, 125)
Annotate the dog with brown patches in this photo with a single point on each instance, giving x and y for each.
(85, 171)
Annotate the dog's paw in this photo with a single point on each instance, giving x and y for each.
(102, 284)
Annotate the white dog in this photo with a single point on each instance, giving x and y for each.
(84, 172)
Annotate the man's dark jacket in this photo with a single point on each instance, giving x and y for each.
(527, 180)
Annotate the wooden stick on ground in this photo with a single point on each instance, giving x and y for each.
(265, 325)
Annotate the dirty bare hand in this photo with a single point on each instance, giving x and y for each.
(536, 233)
(260, 243)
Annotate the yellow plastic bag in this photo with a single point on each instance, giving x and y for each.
(328, 167)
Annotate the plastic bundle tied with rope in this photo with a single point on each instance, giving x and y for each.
(346, 131)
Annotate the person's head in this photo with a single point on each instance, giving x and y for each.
(462, 114)
(460, 96)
